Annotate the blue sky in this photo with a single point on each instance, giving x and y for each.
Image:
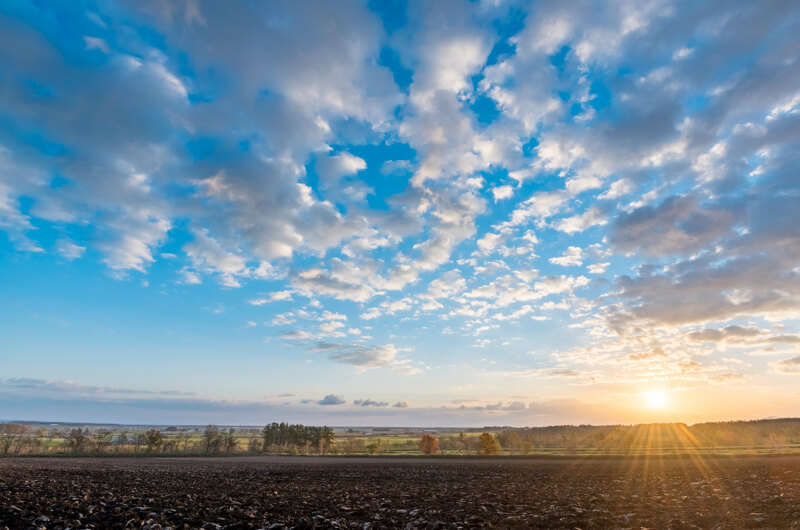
(399, 213)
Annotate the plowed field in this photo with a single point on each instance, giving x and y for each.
(270, 492)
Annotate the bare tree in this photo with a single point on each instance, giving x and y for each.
(11, 435)
(120, 441)
(212, 438)
(139, 440)
(182, 441)
(77, 440)
(153, 439)
(229, 441)
(467, 441)
(102, 439)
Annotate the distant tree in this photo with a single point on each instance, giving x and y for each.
(354, 445)
(429, 445)
(182, 441)
(169, 445)
(102, 439)
(139, 440)
(285, 437)
(327, 439)
(33, 443)
(467, 441)
(11, 435)
(512, 440)
(153, 439)
(374, 447)
(229, 441)
(77, 440)
(527, 448)
(488, 444)
(212, 438)
(120, 441)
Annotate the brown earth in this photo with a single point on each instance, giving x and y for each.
(278, 492)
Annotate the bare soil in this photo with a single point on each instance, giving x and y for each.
(270, 492)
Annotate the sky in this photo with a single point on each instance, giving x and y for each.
(399, 213)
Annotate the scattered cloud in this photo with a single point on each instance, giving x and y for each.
(332, 399)
(370, 403)
(573, 257)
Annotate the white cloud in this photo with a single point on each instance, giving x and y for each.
(502, 192)
(330, 327)
(69, 250)
(618, 188)
(580, 222)
(598, 268)
(573, 257)
(332, 399)
(133, 248)
(365, 357)
(333, 168)
(191, 277)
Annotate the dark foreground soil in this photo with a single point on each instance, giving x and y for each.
(686, 492)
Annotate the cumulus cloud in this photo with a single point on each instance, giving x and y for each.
(320, 281)
(364, 357)
(573, 257)
(502, 192)
(580, 222)
(332, 168)
(679, 225)
(124, 168)
(598, 268)
(332, 399)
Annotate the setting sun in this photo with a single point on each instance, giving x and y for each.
(656, 399)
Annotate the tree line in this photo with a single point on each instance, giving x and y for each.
(275, 437)
(282, 436)
(286, 438)
(772, 434)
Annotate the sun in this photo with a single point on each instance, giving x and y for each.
(656, 399)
